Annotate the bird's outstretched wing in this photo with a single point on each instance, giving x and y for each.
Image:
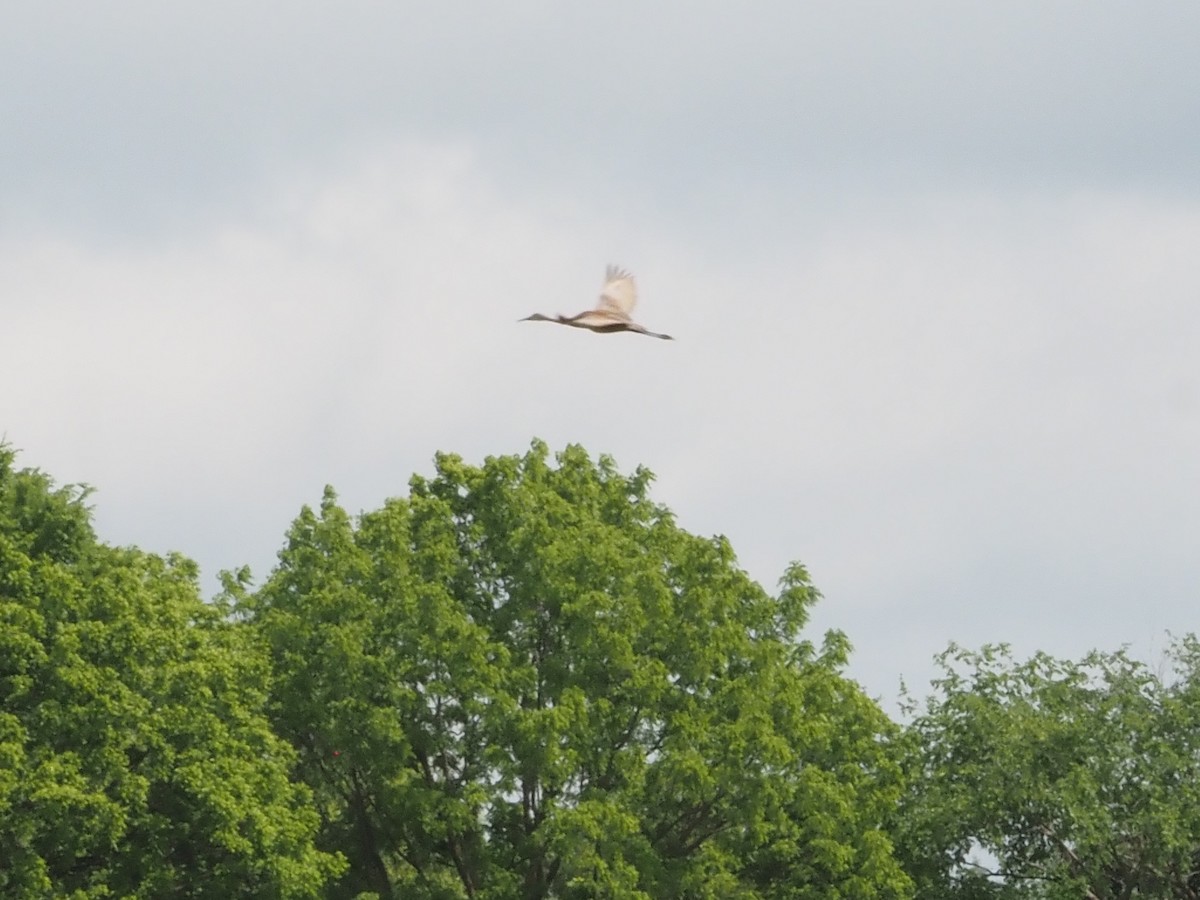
(620, 292)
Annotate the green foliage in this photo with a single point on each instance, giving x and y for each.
(1078, 779)
(134, 757)
(524, 680)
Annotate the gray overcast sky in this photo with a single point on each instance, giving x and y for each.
(934, 271)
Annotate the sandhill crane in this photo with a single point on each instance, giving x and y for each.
(612, 313)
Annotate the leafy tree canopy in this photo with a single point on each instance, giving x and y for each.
(525, 680)
(1075, 779)
(135, 760)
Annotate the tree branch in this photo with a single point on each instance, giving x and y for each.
(1071, 856)
(464, 873)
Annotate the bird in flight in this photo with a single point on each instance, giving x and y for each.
(613, 311)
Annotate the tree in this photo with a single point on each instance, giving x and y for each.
(134, 757)
(1074, 779)
(524, 680)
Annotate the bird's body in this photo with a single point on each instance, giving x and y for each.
(612, 313)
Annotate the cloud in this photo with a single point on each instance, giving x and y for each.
(931, 271)
(974, 415)
(139, 117)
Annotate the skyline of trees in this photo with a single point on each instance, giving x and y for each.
(524, 680)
